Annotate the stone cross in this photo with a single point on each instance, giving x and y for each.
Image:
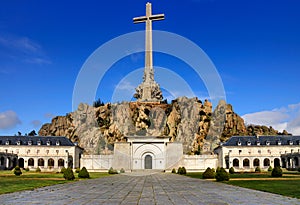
(149, 90)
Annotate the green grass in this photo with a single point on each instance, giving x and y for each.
(32, 180)
(285, 187)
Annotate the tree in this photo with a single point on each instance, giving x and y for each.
(222, 175)
(209, 173)
(83, 173)
(69, 174)
(17, 171)
(32, 133)
(19, 133)
(231, 170)
(277, 172)
(98, 103)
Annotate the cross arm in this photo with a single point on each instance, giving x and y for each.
(157, 17)
(139, 19)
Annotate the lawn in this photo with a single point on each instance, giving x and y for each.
(31, 180)
(288, 185)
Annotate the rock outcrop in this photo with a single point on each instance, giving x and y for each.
(185, 120)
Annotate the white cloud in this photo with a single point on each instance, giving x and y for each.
(9, 119)
(36, 123)
(49, 115)
(24, 49)
(285, 118)
(125, 85)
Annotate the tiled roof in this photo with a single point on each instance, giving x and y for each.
(263, 140)
(36, 140)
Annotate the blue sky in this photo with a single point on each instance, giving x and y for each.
(254, 45)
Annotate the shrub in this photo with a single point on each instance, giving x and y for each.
(38, 170)
(69, 174)
(83, 173)
(112, 171)
(231, 170)
(122, 170)
(277, 172)
(174, 171)
(257, 169)
(299, 169)
(270, 169)
(208, 174)
(222, 175)
(63, 170)
(77, 170)
(17, 171)
(181, 170)
(26, 169)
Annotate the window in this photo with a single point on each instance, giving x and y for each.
(61, 162)
(290, 142)
(48, 142)
(240, 151)
(266, 162)
(29, 142)
(236, 163)
(258, 143)
(278, 142)
(41, 162)
(7, 142)
(246, 163)
(57, 143)
(18, 142)
(50, 162)
(30, 162)
(239, 143)
(249, 143)
(267, 142)
(39, 142)
(256, 162)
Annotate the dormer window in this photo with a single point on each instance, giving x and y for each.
(258, 143)
(18, 142)
(249, 143)
(7, 142)
(57, 143)
(39, 142)
(29, 142)
(278, 142)
(239, 143)
(290, 142)
(267, 142)
(48, 142)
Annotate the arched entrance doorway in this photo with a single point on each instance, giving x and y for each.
(21, 163)
(148, 161)
(277, 163)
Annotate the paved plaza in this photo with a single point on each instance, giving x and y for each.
(159, 188)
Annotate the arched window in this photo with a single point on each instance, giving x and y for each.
(256, 162)
(266, 162)
(50, 162)
(236, 163)
(277, 162)
(30, 162)
(246, 163)
(1, 161)
(41, 162)
(21, 162)
(61, 163)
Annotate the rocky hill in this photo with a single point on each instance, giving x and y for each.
(187, 120)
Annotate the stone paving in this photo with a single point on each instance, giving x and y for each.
(160, 188)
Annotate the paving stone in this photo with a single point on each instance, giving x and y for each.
(160, 188)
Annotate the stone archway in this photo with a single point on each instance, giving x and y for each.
(148, 162)
(277, 163)
(21, 162)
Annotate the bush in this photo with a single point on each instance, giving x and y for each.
(299, 169)
(222, 175)
(17, 171)
(26, 169)
(122, 170)
(174, 171)
(181, 170)
(257, 169)
(69, 174)
(208, 174)
(270, 169)
(277, 172)
(38, 170)
(63, 170)
(77, 170)
(83, 173)
(112, 171)
(231, 170)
